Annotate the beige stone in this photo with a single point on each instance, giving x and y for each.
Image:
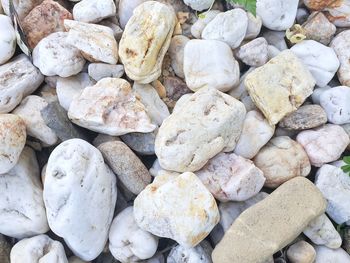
(341, 46)
(301, 252)
(280, 86)
(271, 224)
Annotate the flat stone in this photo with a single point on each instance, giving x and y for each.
(317, 27)
(176, 52)
(280, 86)
(287, 210)
(98, 71)
(94, 11)
(341, 46)
(254, 53)
(325, 255)
(301, 252)
(142, 143)
(7, 39)
(198, 27)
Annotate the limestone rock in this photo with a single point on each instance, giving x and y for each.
(7, 39)
(198, 27)
(254, 53)
(325, 255)
(341, 46)
(176, 52)
(301, 252)
(98, 71)
(92, 11)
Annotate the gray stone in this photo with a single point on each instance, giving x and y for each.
(142, 143)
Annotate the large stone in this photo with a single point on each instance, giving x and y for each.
(157, 209)
(280, 86)
(110, 107)
(146, 39)
(287, 211)
(341, 46)
(207, 123)
(7, 39)
(78, 184)
(301, 252)
(92, 11)
(326, 255)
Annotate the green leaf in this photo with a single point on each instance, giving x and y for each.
(346, 168)
(346, 159)
(249, 5)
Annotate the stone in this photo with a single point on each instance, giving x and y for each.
(142, 143)
(157, 209)
(23, 7)
(127, 241)
(197, 254)
(254, 26)
(5, 247)
(7, 39)
(340, 15)
(277, 15)
(12, 140)
(324, 144)
(199, 5)
(254, 53)
(75, 259)
(316, 95)
(101, 138)
(29, 111)
(302, 15)
(79, 185)
(255, 134)
(125, 10)
(110, 107)
(18, 78)
(276, 39)
(317, 27)
(335, 187)
(198, 27)
(87, 38)
(282, 159)
(280, 86)
(53, 55)
(306, 117)
(325, 255)
(320, 60)
(21, 202)
(220, 70)
(94, 11)
(207, 123)
(98, 71)
(230, 177)
(40, 248)
(341, 46)
(43, 20)
(142, 54)
(335, 103)
(346, 128)
(301, 252)
(126, 165)
(158, 258)
(287, 211)
(176, 52)
(229, 27)
(322, 232)
(175, 88)
(113, 24)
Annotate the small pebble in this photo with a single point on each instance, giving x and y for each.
(301, 252)
(98, 71)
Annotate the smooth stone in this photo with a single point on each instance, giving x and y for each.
(126, 165)
(125, 10)
(198, 5)
(87, 38)
(272, 51)
(183, 145)
(275, 93)
(7, 39)
(335, 103)
(175, 88)
(316, 95)
(287, 210)
(282, 159)
(12, 140)
(229, 27)
(230, 177)
(5, 246)
(301, 252)
(176, 52)
(110, 107)
(127, 241)
(341, 46)
(18, 78)
(23, 7)
(254, 26)
(40, 248)
(29, 111)
(98, 71)
(220, 70)
(277, 15)
(21, 202)
(335, 187)
(254, 53)
(101, 138)
(79, 185)
(142, 143)
(255, 134)
(317, 27)
(325, 255)
(93, 11)
(306, 117)
(276, 39)
(142, 54)
(322, 232)
(157, 209)
(324, 144)
(197, 254)
(320, 60)
(53, 55)
(198, 27)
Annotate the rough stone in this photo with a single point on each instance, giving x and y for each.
(23, 7)
(341, 46)
(317, 27)
(196, 254)
(93, 11)
(7, 39)
(254, 53)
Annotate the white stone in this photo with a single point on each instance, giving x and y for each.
(254, 53)
(29, 111)
(210, 63)
(322, 232)
(335, 102)
(206, 124)
(277, 14)
(157, 209)
(255, 134)
(316, 95)
(40, 248)
(320, 60)
(231, 178)
(18, 78)
(125, 10)
(276, 39)
(254, 26)
(197, 254)
(327, 255)
(301, 252)
(80, 194)
(128, 242)
(272, 51)
(176, 52)
(98, 71)
(324, 144)
(87, 38)
(335, 187)
(229, 27)
(202, 22)
(199, 5)
(7, 39)
(92, 11)
(22, 211)
(341, 46)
